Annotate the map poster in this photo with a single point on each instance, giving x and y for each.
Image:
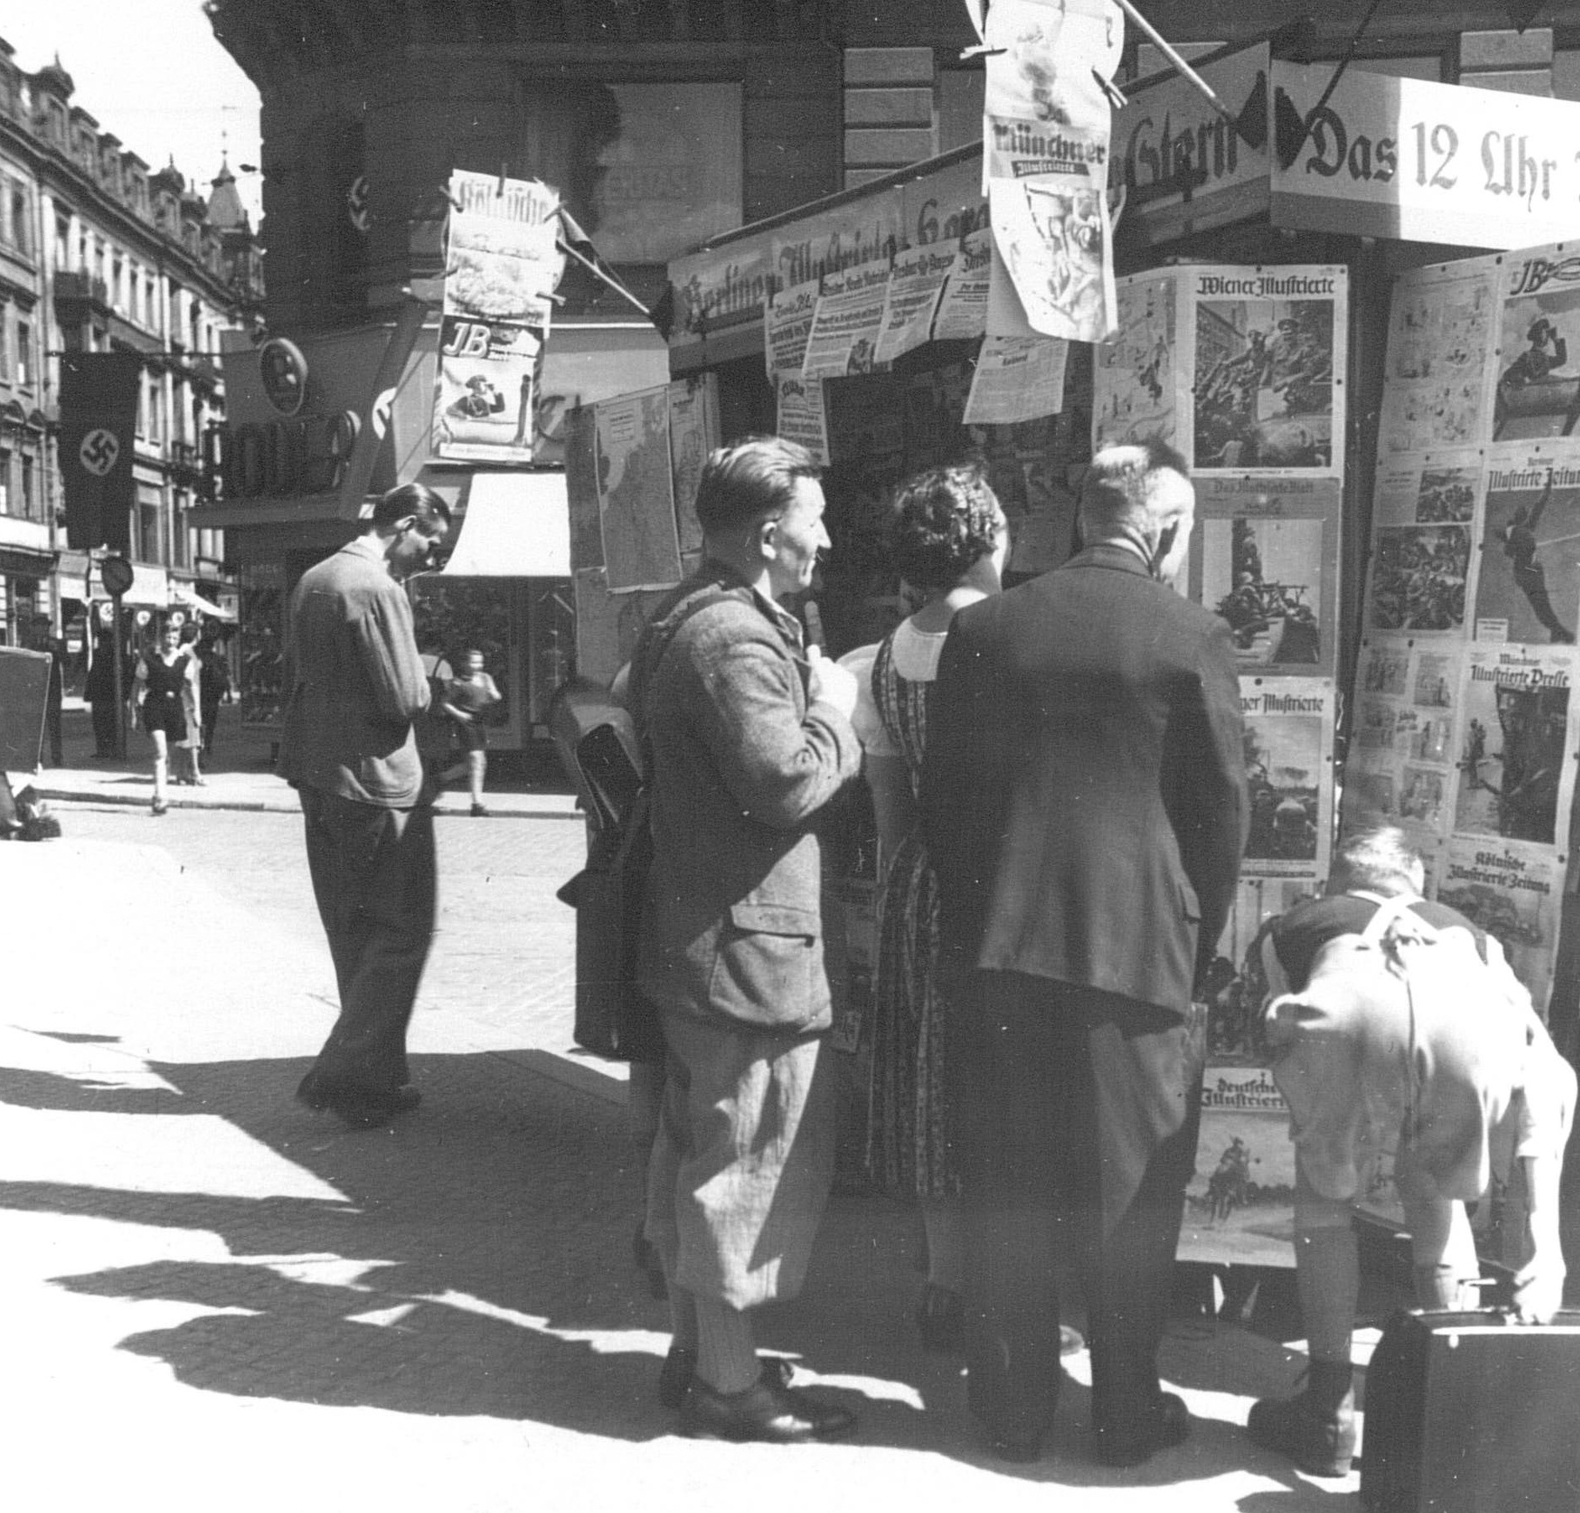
(962, 309)
(1265, 556)
(1136, 377)
(915, 285)
(1240, 1202)
(693, 434)
(1289, 772)
(1517, 744)
(636, 501)
(1017, 378)
(607, 625)
(1270, 351)
(1514, 893)
(1537, 393)
(1402, 766)
(849, 318)
(1528, 585)
(1440, 341)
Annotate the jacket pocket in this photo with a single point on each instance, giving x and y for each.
(767, 964)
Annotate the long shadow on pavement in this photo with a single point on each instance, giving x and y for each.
(476, 1261)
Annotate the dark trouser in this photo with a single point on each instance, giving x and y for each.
(57, 756)
(210, 712)
(105, 733)
(374, 878)
(1079, 1119)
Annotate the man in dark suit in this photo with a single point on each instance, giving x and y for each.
(1084, 802)
(354, 685)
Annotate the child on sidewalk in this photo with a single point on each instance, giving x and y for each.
(466, 698)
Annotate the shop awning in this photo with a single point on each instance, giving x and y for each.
(184, 596)
(517, 525)
(150, 587)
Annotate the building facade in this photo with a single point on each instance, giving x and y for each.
(98, 253)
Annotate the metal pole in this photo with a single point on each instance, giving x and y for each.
(1186, 71)
(120, 681)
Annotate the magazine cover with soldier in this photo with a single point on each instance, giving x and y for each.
(1264, 556)
(1134, 375)
(1538, 385)
(1289, 773)
(1528, 583)
(1268, 369)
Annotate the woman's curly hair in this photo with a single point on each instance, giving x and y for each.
(941, 522)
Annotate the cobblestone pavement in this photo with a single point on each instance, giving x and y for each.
(215, 1299)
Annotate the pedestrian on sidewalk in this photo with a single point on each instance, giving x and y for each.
(213, 688)
(750, 738)
(1083, 800)
(189, 768)
(466, 699)
(158, 686)
(354, 686)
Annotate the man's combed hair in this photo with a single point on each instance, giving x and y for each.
(941, 523)
(1379, 858)
(1117, 492)
(748, 479)
(416, 500)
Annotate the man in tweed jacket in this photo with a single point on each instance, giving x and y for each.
(750, 737)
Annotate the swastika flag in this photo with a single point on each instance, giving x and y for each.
(98, 423)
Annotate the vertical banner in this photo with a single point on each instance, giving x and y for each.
(1046, 122)
(98, 424)
(501, 267)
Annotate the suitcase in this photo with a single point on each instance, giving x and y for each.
(1466, 1413)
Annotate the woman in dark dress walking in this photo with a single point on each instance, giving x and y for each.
(158, 686)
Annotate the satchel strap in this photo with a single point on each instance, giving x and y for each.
(652, 649)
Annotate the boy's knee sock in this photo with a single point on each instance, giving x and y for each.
(1327, 1276)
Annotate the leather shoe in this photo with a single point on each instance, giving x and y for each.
(763, 1412)
(1168, 1424)
(361, 1108)
(680, 1367)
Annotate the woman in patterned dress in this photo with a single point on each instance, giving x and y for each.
(949, 541)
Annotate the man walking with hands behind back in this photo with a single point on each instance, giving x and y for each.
(354, 685)
(1084, 800)
(749, 737)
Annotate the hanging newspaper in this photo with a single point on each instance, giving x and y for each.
(636, 502)
(844, 336)
(1269, 356)
(1528, 584)
(1403, 758)
(1537, 393)
(1289, 771)
(1136, 376)
(803, 418)
(501, 267)
(1514, 893)
(787, 322)
(1045, 159)
(915, 286)
(1518, 738)
(962, 309)
(1439, 358)
(1017, 378)
(1432, 488)
(1265, 556)
(1419, 579)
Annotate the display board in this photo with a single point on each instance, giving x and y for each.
(1465, 729)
